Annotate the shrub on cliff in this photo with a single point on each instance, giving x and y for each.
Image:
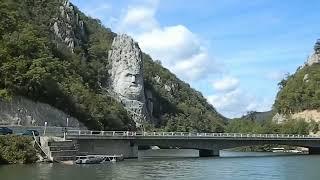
(17, 149)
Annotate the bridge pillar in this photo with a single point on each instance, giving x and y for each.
(208, 153)
(108, 147)
(314, 150)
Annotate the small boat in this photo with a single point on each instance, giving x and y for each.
(89, 160)
(98, 159)
(277, 150)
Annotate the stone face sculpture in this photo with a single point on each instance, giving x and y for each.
(126, 76)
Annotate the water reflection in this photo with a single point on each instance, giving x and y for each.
(268, 168)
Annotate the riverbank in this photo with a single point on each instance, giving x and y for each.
(17, 150)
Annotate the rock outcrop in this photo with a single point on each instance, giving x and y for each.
(65, 24)
(315, 57)
(279, 118)
(126, 76)
(308, 115)
(22, 111)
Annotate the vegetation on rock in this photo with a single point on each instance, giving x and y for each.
(300, 91)
(179, 107)
(17, 149)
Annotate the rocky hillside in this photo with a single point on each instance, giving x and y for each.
(52, 53)
(300, 92)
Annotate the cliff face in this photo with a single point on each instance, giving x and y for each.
(315, 56)
(126, 77)
(94, 75)
(22, 111)
(66, 24)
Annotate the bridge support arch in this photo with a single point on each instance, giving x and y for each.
(208, 153)
(314, 150)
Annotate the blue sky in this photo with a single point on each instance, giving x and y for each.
(233, 51)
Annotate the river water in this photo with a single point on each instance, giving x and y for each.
(260, 166)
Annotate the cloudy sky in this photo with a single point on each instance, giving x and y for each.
(233, 51)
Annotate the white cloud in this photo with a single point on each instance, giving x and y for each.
(276, 75)
(138, 19)
(174, 42)
(179, 49)
(232, 101)
(226, 84)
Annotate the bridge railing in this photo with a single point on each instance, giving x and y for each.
(183, 134)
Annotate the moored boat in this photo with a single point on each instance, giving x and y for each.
(98, 159)
(88, 160)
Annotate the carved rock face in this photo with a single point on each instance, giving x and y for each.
(128, 83)
(126, 76)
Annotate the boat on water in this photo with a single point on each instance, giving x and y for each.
(277, 149)
(98, 159)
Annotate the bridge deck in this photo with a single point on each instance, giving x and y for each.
(183, 135)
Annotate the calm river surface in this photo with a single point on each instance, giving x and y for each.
(301, 167)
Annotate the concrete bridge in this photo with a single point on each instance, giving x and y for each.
(208, 144)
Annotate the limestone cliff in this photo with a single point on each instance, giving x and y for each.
(315, 56)
(22, 111)
(66, 24)
(126, 76)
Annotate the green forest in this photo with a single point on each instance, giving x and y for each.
(35, 64)
(300, 91)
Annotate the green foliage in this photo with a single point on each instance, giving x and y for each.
(179, 108)
(300, 91)
(295, 127)
(4, 94)
(35, 65)
(17, 149)
(268, 127)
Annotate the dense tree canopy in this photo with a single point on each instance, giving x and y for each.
(180, 107)
(34, 65)
(300, 91)
(268, 127)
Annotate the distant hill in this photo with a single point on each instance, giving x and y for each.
(258, 116)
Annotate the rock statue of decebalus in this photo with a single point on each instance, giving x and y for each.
(126, 76)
